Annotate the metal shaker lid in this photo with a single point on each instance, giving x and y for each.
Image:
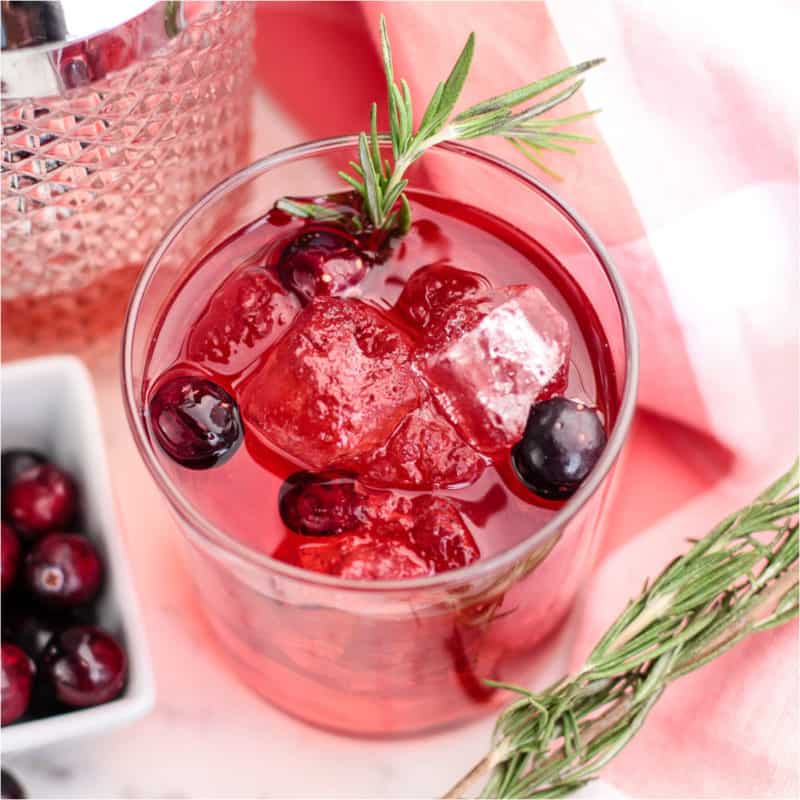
(50, 24)
(53, 46)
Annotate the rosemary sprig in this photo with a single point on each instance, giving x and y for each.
(381, 183)
(739, 579)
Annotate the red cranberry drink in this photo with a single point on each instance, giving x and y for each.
(380, 389)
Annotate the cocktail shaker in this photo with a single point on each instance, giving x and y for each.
(116, 117)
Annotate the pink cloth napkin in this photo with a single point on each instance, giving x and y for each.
(693, 187)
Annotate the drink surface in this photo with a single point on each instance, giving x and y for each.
(233, 321)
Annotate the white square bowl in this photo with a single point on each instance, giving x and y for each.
(48, 405)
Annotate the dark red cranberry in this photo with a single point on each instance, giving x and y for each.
(15, 462)
(319, 504)
(11, 787)
(321, 262)
(17, 681)
(63, 570)
(562, 441)
(33, 628)
(195, 421)
(84, 666)
(41, 499)
(11, 554)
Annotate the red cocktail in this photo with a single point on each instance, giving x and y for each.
(370, 523)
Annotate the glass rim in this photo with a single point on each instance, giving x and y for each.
(228, 546)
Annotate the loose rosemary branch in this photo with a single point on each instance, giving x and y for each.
(739, 579)
(381, 183)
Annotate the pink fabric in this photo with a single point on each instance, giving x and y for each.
(693, 186)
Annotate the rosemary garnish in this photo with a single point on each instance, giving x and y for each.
(739, 579)
(381, 184)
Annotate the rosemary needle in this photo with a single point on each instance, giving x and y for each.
(381, 183)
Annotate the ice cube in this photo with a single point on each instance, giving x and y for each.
(440, 535)
(407, 539)
(488, 360)
(244, 316)
(425, 452)
(383, 558)
(334, 387)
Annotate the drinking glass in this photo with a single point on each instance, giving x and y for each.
(393, 656)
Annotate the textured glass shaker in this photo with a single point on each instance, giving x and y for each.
(116, 118)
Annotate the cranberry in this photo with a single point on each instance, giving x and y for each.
(195, 421)
(63, 569)
(41, 498)
(11, 787)
(431, 289)
(32, 629)
(321, 504)
(322, 261)
(562, 441)
(392, 538)
(11, 554)
(15, 462)
(84, 666)
(17, 681)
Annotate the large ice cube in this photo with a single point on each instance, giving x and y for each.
(244, 316)
(489, 359)
(334, 387)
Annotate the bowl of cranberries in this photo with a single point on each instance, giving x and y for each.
(74, 657)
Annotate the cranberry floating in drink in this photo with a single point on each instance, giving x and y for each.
(321, 261)
(378, 540)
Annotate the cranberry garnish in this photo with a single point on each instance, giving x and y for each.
(84, 666)
(10, 787)
(11, 554)
(321, 504)
(15, 462)
(17, 680)
(63, 569)
(320, 262)
(196, 421)
(40, 499)
(562, 441)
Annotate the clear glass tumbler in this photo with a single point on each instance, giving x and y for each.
(106, 137)
(385, 657)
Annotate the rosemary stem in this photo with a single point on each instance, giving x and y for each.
(550, 743)
(477, 773)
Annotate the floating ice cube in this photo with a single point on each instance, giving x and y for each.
(334, 387)
(489, 360)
